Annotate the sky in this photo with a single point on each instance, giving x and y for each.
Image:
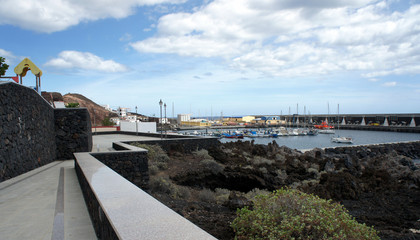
(230, 57)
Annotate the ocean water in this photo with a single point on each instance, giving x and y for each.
(324, 140)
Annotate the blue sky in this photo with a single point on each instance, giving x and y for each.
(238, 57)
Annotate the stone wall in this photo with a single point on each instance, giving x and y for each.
(408, 149)
(182, 144)
(27, 134)
(120, 210)
(157, 135)
(33, 134)
(132, 165)
(73, 132)
(100, 222)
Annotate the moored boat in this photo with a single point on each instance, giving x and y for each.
(342, 139)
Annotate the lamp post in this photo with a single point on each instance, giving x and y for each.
(94, 120)
(160, 104)
(165, 118)
(137, 131)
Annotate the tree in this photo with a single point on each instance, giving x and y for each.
(107, 122)
(3, 66)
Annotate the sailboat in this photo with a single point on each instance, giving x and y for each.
(339, 139)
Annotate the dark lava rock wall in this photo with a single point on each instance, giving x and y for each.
(132, 165)
(185, 145)
(33, 134)
(27, 135)
(73, 131)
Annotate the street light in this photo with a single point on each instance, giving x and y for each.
(160, 104)
(165, 118)
(94, 120)
(137, 131)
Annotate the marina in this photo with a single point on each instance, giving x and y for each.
(303, 142)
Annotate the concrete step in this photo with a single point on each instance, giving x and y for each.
(45, 203)
(77, 223)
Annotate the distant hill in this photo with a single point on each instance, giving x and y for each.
(97, 112)
(52, 96)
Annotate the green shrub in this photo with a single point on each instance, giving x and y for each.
(207, 195)
(222, 195)
(153, 169)
(202, 154)
(107, 122)
(72, 105)
(251, 195)
(183, 192)
(212, 166)
(162, 185)
(257, 160)
(291, 214)
(155, 153)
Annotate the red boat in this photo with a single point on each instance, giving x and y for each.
(324, 125)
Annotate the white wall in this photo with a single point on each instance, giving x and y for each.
(147, 127)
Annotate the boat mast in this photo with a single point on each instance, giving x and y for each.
(338, 117)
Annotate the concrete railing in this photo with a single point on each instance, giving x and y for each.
(121, 210)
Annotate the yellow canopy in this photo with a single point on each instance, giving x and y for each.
(26, 65)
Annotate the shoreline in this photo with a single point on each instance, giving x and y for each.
(358, 145)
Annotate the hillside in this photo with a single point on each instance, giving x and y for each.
(96, 112)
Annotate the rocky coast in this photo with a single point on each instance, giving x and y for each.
(378, 184)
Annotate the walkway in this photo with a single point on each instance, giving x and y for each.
(45, 203)
(103, 143)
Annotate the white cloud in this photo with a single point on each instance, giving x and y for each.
(126, 37)
(57, 15)
(9, 56)
(86, 61)
(295, 38)
(390, 84)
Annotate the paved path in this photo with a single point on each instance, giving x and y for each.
(45, 203)
(103, 143)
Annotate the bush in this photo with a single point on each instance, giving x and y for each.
(162, 185)
(107, 122)
(212, 166)
(183, 192)
(222, 195)
(257, 160)
(255, 192)
(153, 169)
(202, 154)
(207, 195)
(291, 214)
(155, 153)
(72, 105)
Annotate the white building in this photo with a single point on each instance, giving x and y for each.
(106, 106)
(145, 127)
(164, 121)
(122, 112)
(184, 118)
(131, 118)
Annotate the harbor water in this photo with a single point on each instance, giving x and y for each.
(324, 140)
